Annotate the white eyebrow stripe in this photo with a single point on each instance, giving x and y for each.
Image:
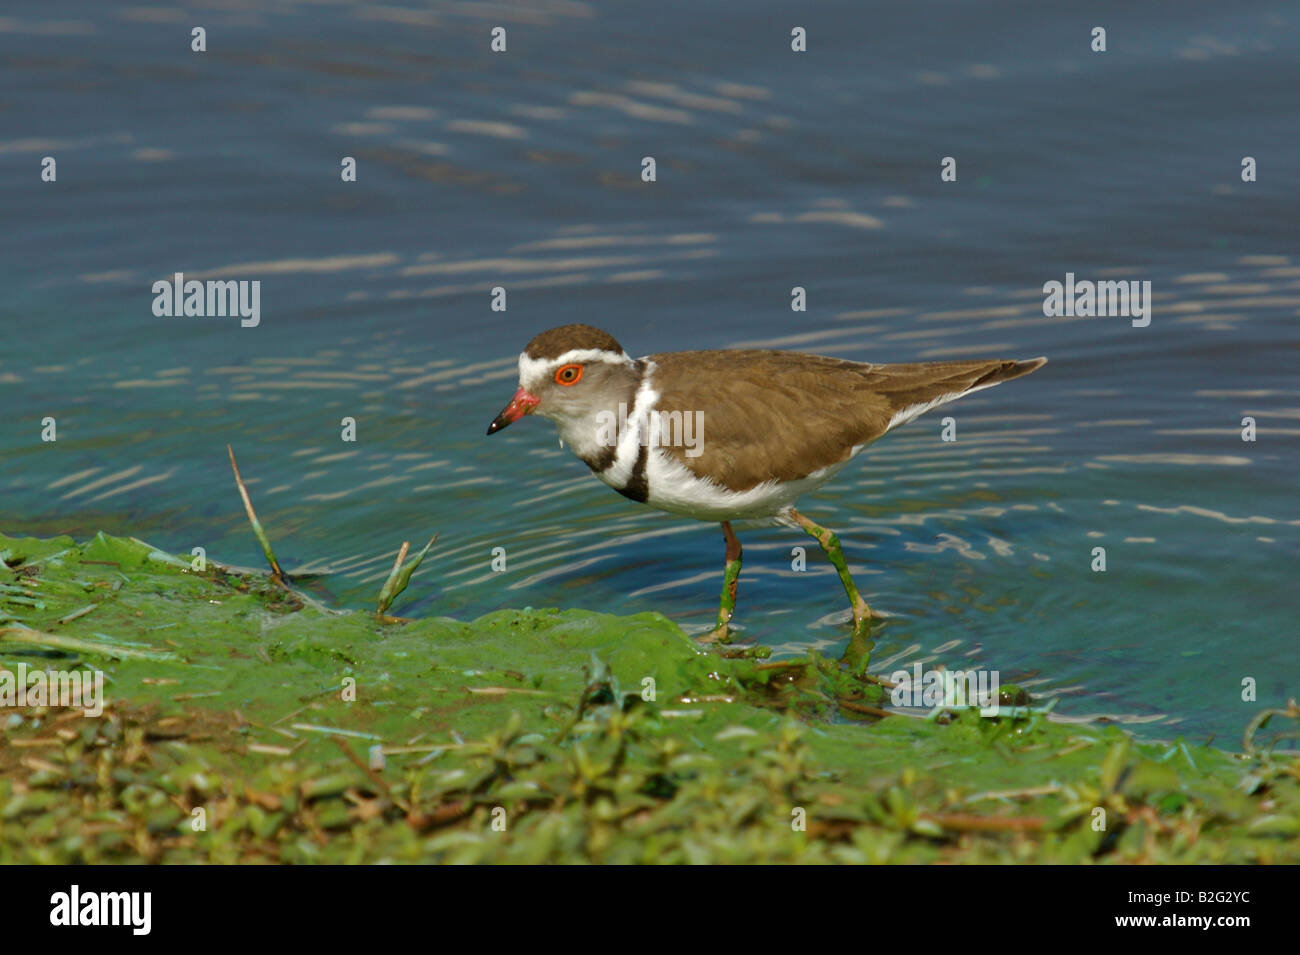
(536, 367)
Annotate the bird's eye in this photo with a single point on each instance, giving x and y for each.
(568, 374)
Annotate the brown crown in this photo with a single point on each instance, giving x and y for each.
(554, 342)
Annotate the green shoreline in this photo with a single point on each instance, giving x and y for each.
(523, 736)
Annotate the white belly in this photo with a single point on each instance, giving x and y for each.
(676, 489)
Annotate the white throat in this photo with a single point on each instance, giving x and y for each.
(592, 434)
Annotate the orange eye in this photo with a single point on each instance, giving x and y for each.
(568, 374)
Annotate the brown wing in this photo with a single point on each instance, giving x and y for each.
(784, 415)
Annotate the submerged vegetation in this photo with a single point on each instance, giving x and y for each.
(243, 722)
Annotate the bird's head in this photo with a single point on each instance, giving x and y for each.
(569, 374)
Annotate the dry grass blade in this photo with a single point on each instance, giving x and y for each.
(59, 641)
(276, 573)
(78, 614)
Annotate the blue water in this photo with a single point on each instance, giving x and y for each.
(775, 169)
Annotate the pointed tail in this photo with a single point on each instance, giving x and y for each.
(913, 389)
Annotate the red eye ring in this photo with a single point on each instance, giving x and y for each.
(568, 375)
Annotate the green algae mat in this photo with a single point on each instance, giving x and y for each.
(244, 722)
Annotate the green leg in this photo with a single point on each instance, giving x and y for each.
(730, 579)
(859, 646)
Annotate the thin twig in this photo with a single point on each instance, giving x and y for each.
(373, 776)
(276, 573)
(863, 708)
